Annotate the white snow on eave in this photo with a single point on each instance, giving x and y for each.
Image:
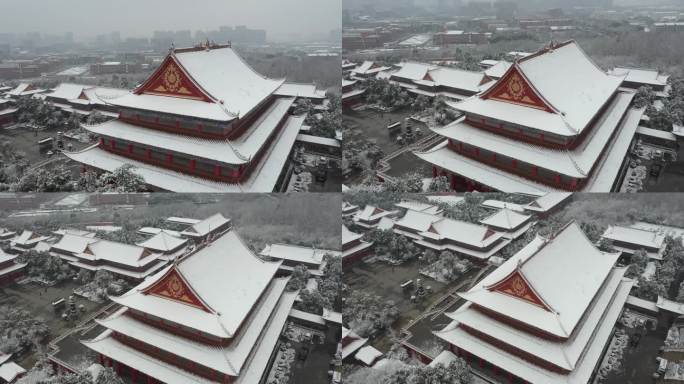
(455, 335)
(443, 157)
(297, 253)
(224, 75)
(568, 79)
(262, 180)
(566, 284)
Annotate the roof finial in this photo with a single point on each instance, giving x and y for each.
(172, 47)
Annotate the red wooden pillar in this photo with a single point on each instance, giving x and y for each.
(434, 171)
(557, 179)
(177, 124)
(101, 141)
(510, 377)
(101, 359)
(118, 368)
(477, 152)
(573, 184)
(460, 145)
(452, 184)
(199, 128)
(496, 371)
(148, 153)
(111, 362)
(130, 148)
(515, 163)
(149, 379)
(217, 170)
(469, 185)
(169, 158)
(112, 143)
(481, 362)
(193, 165)
(241, 170)
(134, 375)
(494, 157)
(535, 170)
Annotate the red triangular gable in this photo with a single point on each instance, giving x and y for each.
(427, 77)
(517, 286)
(172, 286)
(377, 211)
(514, 88)
(83, 96)
(488, 233)
(171, 80)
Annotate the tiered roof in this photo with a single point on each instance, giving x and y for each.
(209, 274)
(560, 92)
(296, 253)
(238, 151)
(225, 291)
(573, 301)
(506, 219)
(652, 241)
(222, 86)
(207, 226)
(207, 83)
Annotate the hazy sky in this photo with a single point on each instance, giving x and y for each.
(87, 18)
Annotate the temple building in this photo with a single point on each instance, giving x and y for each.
(212, 316)
(367, 69)
(352, 94)
(370, 216)
(165, 244)
(201, 230)
(204, 121)
(27, 241)
(636, 78)
(84, 99)
(512, 224)
(293, 255)
(629, 240)
(10, 270)
(433, 80)
(354, 249)
(545, 316)
(554, 122)
(126, 261)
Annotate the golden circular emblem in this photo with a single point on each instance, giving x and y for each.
(516, 88)
(172, 79)
(518, 286)
(175, 287)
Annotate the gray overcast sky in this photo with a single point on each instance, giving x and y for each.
(87, 18)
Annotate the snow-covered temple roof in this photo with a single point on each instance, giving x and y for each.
(547, 201)
(561, 287)
(218, 72)
(349, 236)
(261, 180)
(418, 221)
(217, 296)
(206, 226)
(297, 253)
(163, 242)
(640, 75)
(638, 237)
(562, 77)
(505, 218)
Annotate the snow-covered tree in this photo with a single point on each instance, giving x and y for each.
(122, 179)
(367, 313)
(299, 278)
(19, 329)
(439, 184)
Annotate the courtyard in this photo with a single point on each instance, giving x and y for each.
(38, 299)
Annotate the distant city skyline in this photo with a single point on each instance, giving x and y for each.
(291, 20)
